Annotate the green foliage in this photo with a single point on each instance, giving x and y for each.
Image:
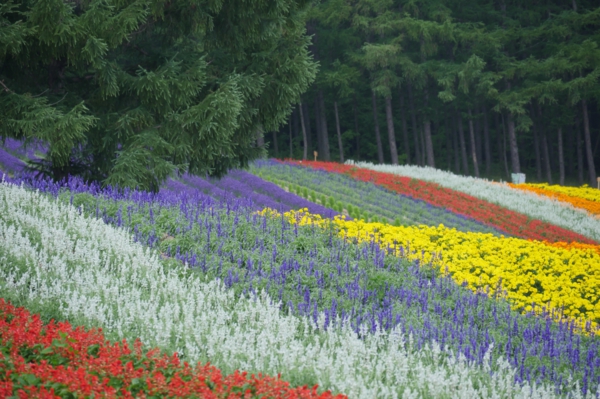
(498, 57)
(129, 92)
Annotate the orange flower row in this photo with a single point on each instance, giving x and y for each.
(592, 207)
(574, 245)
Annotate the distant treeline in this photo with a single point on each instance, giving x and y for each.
(483, 88)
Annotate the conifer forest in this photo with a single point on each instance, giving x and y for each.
(128, 92)
(481, 88)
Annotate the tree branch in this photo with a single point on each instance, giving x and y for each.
(6, 89)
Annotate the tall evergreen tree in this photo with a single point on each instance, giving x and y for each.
(130, 91)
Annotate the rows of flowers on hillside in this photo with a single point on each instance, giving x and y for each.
(175, 240)
(317, 276)
(254, 191)
(528, 273)
(57, 360)
(584, 192)
(362, 199)
(516, 224)
(526, 204)
(569, 195)
(261, 192)
(55, 255)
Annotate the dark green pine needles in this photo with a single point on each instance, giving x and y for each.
(128, 91)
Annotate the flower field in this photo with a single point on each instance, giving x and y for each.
(531, 210)
(55, 359)
(563, 281)
(585, 198)
(585, 192)
(364, 199)
(427, 302)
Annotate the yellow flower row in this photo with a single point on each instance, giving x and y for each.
(524, 271)
(585, 192)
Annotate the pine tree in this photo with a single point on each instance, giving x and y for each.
(130, 91)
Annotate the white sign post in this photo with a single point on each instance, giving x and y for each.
(518, 178)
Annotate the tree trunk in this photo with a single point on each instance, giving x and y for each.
(260, 138)
(456, 148)
(547, 164)
(435, 127)
(305, 152)
(499, 137)
(309, 144)
(318, 127)
(569, 151)
(422, 146)
(544, 142)
(580, 164)
(339, 133)
(463, 146)
(478, 139)
(355, 109)
(561, 159)
(588, 144)
(536, 147)
(486, 142)
(296, 122)
(449, 149)
(291, 140)
(504, 148)
(427, 132)
(473, 144)
(275, 146)
(514, 146)
(377, 134)
(404, 127)
(391, 131)
(324, 133)
(413, 116)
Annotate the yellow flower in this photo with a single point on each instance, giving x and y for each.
(529, 271)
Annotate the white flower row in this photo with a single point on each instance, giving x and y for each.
(528, 203)
(51, 255)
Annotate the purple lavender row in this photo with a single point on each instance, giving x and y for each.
(262, 193)
(289, 200)
(204, 186)
(177, 194)
(18, 148)
(10, 163)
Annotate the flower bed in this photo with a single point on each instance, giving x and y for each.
(516, 224)
(584, 192)
(51, 254)
(526, 272)
(528, 205)
(9, 162)
(57, 360)
(579, 198)
(365, 200)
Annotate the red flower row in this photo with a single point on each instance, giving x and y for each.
(515, 224)
(55, 360)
